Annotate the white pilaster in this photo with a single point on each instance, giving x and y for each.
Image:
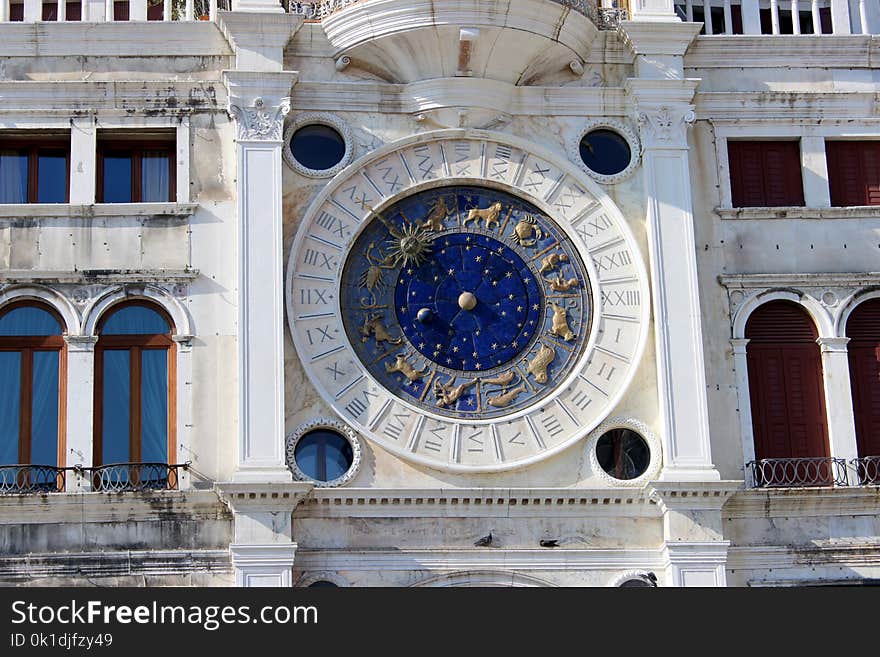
(694, 549)
(259, 102)
(653, 10)
(182, 141)
(183, 401)
(840, 17)
(33, 11)
(744, 402)
(83, 160)
(838, 402)
(258, 6)
(80, 406)
(137, 10)
(663, 111)
(262, 548)
(815, 169)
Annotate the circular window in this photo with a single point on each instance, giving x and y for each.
(623, 454)
(317, 145)
(322, 584)
(325, 452)
(605, 151)
(632, 584)
(323, 455)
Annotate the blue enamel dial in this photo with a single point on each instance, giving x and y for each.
(466, 302)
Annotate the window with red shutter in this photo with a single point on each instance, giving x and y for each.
(785, 383)
(863, 330)
(765, 173)
(854, 172)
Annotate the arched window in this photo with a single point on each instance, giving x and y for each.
(863, 330)
(32, 396)
(787, 396)
(134, 392)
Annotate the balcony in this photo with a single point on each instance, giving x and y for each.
(26, 479)
(772, 17)
(814, 472)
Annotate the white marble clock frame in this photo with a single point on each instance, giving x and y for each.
(599, 232)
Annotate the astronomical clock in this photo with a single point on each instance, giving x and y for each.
(469, 303)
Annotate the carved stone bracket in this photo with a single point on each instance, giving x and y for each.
(260, 121)
(665, 126)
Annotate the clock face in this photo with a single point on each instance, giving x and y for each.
(469, 303)
(466, 301)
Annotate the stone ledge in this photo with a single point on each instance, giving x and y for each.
(105, 276)
(37, 211)
(852, 212)
(803, 502)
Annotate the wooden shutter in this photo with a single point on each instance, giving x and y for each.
(765, 173)
(854, 172)
(785, 383)
(863, 329)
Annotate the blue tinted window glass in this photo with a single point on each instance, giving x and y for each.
(116, 407)
(317, 147)
(154, 406)
(135, 320)
(52, 177)
(117, 178)
(28, 320)
(13, 176)
(44, 407)
(323, 455)
(605, 152)
(155, 177)
(10, 400)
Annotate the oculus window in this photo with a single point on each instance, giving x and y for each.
(605, 152)
(623, 454)
(317, 146)
(323, 455)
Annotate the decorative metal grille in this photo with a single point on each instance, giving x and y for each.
(118, 477)
(31, 479)
(867, 470)
(795, 472)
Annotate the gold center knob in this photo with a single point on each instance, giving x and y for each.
(467, 301)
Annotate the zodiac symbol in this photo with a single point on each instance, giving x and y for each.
(375, 326)
(401, 365)
(504, 400)
(538, 365)
(560, 326)
(439, 211)
(559, 284)
(489, 215)
(372, 279)
(502, 380)
(552, 261)
(527, 232)
(447, 395)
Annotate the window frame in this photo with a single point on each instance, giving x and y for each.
(732, 169)
(836, 184)
(135, 148)
(32, 146)
(28, 344)
(135, 344)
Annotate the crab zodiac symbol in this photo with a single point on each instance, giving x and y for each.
(527, 232)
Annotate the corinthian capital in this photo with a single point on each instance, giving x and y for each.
(665, 126)
(261, 120)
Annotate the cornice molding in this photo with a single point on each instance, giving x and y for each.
(103, 276)
(782, 51)
(803, 502)
(24, 211)
(708, 496)
(658, 37)
(783, 106)
(240, 498)
(799, 280)
(114, 39)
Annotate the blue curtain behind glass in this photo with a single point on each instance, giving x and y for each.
(135, 320)
(306, 456)
(52, 177)
(155, 182)
(117, 178)
(10, 401)
(44, 407)
(117, 408)
(13, 177)
(28, 320)
(154, 405)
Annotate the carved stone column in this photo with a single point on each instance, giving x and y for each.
(741, 368)
(80, 407)
(663, 112)
(838, 402)
(262, 547)
(259, 102)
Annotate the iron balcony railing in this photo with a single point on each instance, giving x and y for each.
(867, 470)
(31, 479)
(114, 477)
(814, 471)
(798, 472)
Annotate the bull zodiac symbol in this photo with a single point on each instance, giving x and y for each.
(375, 326)
(402, 365)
